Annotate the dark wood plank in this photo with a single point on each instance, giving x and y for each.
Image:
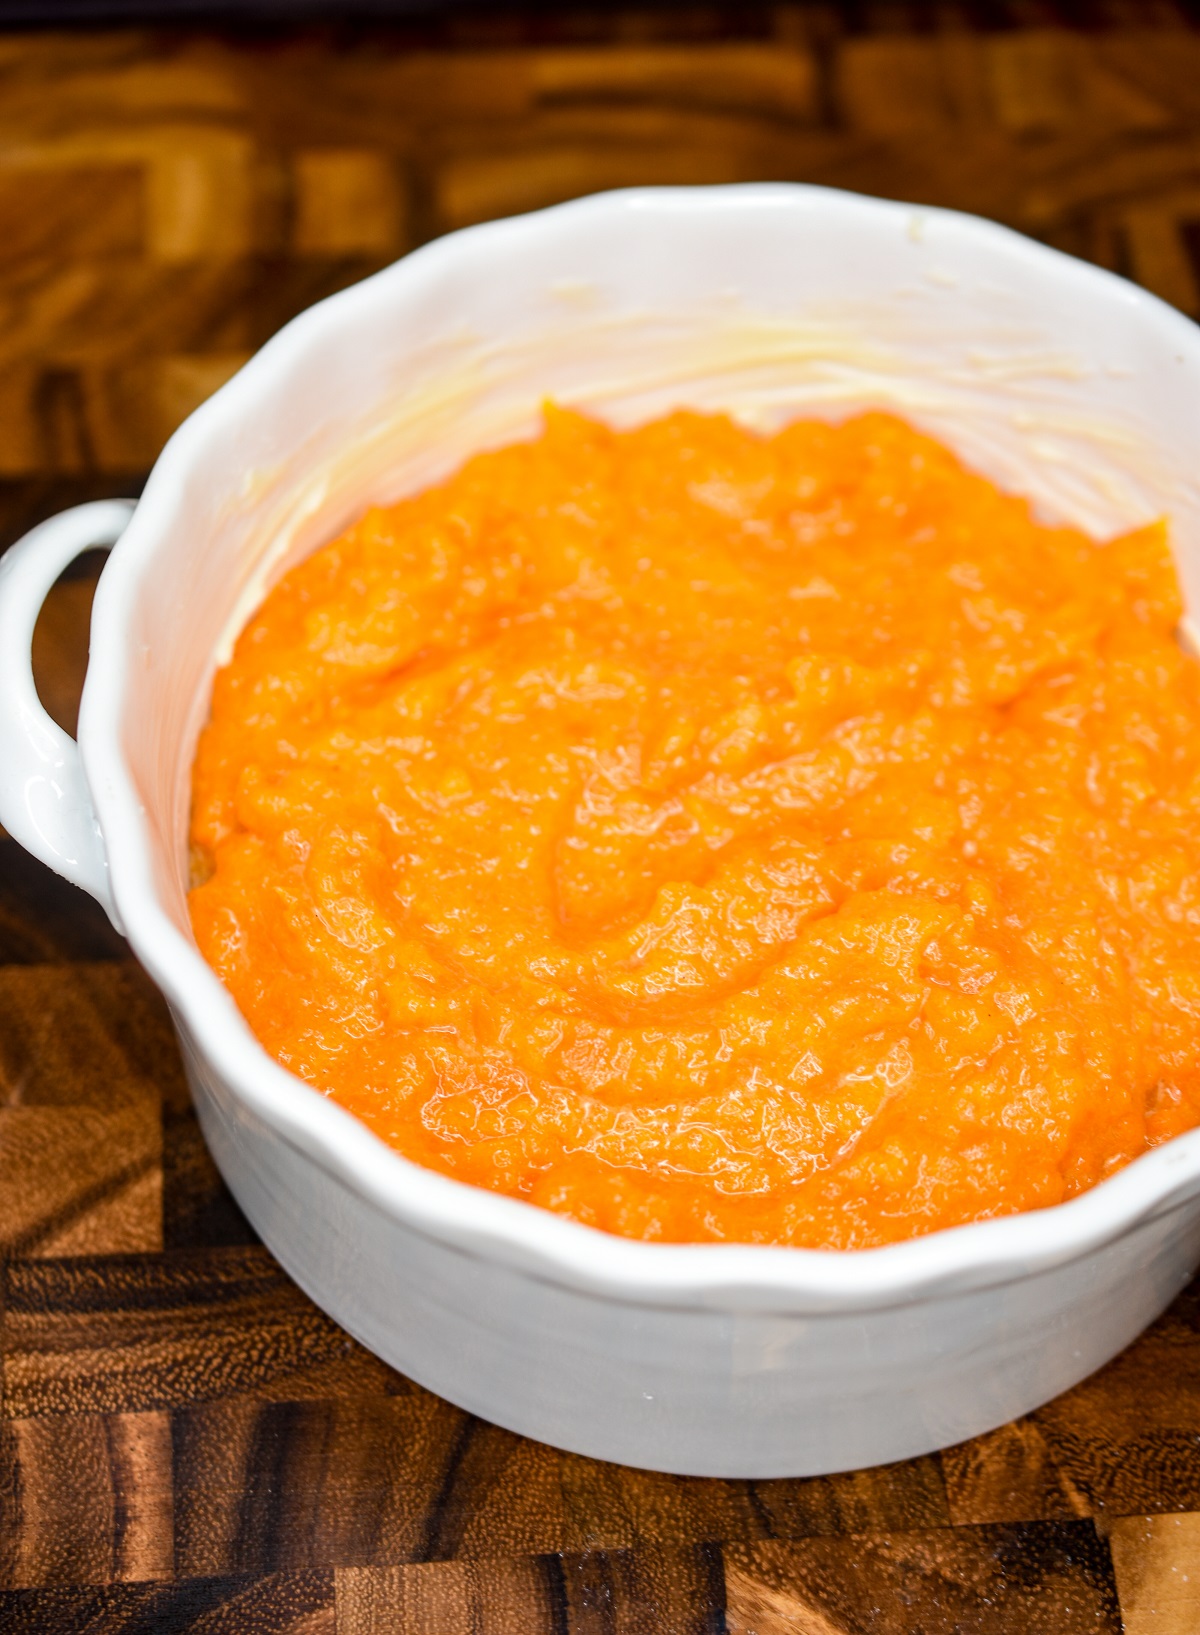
(26, 501)
(603, 1592)
(91, 1500)
(1157, 1564)
(199, 1211)
(84, 1061)
(510, 1496)
(45, 919)
(92, 1035)
(888, 1499)
(126, 1334)
(1009, 1475)
(1041, 1578)
(525, 1593)
(76, 1181)
(642, 1592)
(270, 1604)
(263, 1487)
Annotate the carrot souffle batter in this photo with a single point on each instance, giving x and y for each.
(710, 836)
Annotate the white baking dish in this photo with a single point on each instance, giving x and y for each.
(1057, 379)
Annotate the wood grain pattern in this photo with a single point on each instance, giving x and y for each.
(1157, 1563)
(93, 1500)
(186, 1442)
(170, 200)
(1046, 1578)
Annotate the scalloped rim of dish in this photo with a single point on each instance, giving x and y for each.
(726, 1276)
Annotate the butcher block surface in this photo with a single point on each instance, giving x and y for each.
(186, 1442)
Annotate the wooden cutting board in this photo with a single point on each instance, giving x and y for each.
(186, 1443)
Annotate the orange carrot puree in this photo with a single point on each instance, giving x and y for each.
(710, 836)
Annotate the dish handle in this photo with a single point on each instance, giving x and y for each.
(44, 798)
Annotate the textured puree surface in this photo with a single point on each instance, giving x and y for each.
(711, 836)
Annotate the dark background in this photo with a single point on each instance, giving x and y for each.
(446, 19)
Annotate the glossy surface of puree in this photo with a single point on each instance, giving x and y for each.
(717, 837)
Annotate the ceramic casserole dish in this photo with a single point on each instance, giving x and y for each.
(1055, 379)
